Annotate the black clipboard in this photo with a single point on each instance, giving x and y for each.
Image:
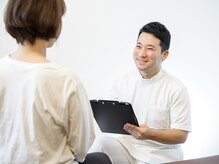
(111, 116)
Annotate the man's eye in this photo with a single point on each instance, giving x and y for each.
(150, 49)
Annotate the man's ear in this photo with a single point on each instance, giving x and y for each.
(165, 54)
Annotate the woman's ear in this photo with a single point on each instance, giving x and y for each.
(165, 54)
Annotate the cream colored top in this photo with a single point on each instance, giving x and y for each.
(45, 114)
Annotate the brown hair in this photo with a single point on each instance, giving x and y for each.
(27, 20)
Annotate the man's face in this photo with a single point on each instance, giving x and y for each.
(147, 55)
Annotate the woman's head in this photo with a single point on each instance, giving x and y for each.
(28, 20)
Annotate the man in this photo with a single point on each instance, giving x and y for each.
(160, 102)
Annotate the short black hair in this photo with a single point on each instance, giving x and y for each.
(159, 31)
(27, 20)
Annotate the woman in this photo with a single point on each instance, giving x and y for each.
(45, 114)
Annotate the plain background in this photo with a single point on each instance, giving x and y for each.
(97, 42)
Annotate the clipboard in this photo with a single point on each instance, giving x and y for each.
(111, 116)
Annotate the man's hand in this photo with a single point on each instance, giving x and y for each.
(137, 132)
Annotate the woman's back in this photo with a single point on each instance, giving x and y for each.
(41, 118)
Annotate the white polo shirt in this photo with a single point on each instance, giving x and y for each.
(161, 102)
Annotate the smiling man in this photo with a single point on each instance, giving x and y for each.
(160, 101)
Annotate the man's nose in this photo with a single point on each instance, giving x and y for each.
(142, 52)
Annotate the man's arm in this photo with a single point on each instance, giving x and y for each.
(168, 136)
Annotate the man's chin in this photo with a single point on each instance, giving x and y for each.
(141, 67)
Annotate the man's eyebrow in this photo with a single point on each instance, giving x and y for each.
(148, 45)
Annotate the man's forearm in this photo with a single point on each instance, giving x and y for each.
(171, 136)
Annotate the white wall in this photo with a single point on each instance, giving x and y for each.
(97, 41)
